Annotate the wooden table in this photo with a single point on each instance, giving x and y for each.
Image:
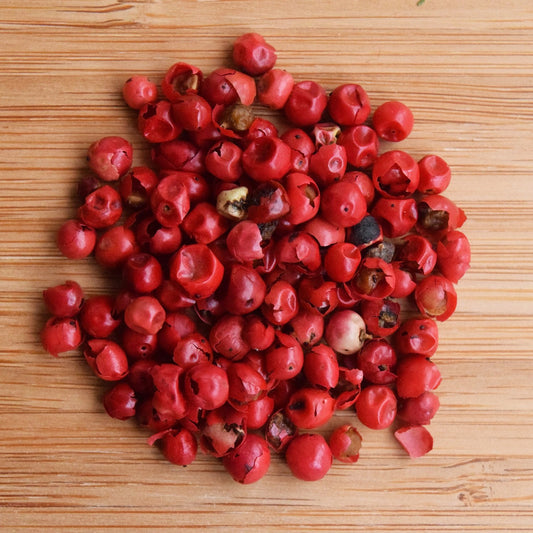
(464, 67)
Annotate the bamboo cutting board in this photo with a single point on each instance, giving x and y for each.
(465, 68)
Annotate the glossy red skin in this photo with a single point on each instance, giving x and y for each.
(435, 297)
(252, 54)
(178, 154)
(376, 406)
(266, 158)
(148, 417)
(115, 246)
(244, 87)
(168, 399)
(307, 327)
(258, 333)
(280, 304)
(192, 349)
(244, 289)
(349, 105)
(395, 174)
(372, 311)
(138, 91)
(342, 204)
(281, 392)
(260, 127)
(181, 79)
(309, 457)
(209, 309)
(244, 242)
(396, 217)
(317, 294)
(364, 182)
(245, 384)
(299, 140)
(140, 378)
(393, 121)
(377, 359)
(250, 461)
(173, 296)
(204, 224)
(223, 160)
(217, 89)
(304, 197)
(198, 187)
(137, 185)
(361, 144)
(142, 273)
(274, 88)
(86, 185)
(453, 255)
(300, 250)
(206, 137)
(120, 401)
(227, 337)
(321, 367)
(328, 164)
(61, 334)
(306, 104)
(206, 386)
(258, 412)
(106, 359)
(435, 175)
(227, 86)
(75, 239)
(345, 298)
(417, 255)
(102, 208)
(177, 325)
(157, 239)
(345, 443)
(97, 316)
(192, 112)
(196, 268)
(145, 315)
(64, 300)
(110, 157)
(416, 440)
(285, 358)
(325, 233)
(341, 261)
(347, 391)
(419, 410)
(405, 282)
(170, 202)
(179, 446)
(269, 261)
(155, 122)
(310, 408)
(268, 201)
(415, 375)
(138, 345)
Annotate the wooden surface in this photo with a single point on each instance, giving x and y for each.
(466, 69)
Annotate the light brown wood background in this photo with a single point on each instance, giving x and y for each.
(466, 69)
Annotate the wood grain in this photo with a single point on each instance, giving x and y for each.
(466, 69)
